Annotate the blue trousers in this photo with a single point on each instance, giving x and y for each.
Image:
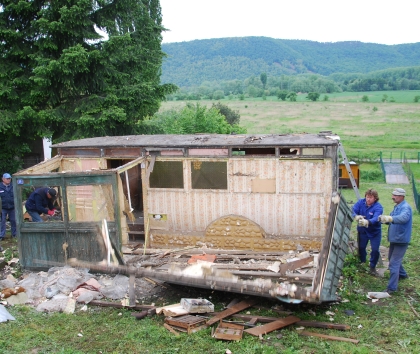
(375, 242)
(12, 218)
(396, 270)
(35, 216)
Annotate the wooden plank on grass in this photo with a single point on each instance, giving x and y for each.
(230, 311)
(325, 336)
(272, 326)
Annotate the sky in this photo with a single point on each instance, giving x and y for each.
(369, 21)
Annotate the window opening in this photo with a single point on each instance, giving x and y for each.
(209, 174)
(167, 174)
(254, 151)
(289, 151)
(90, 203)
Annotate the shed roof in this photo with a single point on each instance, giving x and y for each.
(204, 140)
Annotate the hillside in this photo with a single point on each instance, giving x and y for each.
(191, 63)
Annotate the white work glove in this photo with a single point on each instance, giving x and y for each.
(363, 222)
(358, 217)
(384, 219)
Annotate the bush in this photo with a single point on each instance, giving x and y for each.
(365, 98)
(372, 176)
(232, 117)
(189, 120)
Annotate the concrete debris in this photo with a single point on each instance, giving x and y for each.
(5, 315)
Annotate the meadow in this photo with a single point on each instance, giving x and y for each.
(365, 128)
(388, 326)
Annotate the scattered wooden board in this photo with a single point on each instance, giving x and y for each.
(230, 311)
(272, 326)
(325, 336)
(228, 331)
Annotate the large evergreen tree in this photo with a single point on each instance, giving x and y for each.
(77, 68)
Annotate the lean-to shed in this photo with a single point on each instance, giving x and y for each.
(268, 196)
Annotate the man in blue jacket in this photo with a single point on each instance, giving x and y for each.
(400, 223)
(8, 205)
(366, 212)
(41, 202)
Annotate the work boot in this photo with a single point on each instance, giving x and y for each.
(372, 271)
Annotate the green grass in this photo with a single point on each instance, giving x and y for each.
(389, 326)
(365, 132)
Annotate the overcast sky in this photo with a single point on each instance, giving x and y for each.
(370, 21)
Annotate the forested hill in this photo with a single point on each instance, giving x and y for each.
(191, 63)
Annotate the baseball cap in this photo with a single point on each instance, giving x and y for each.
(7, 175)
(398, 191)
(52, 192)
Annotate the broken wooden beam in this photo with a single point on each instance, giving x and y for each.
(287, 267)
(120, 306)
(325, 336)
(272, 326)
(326, 325)
(230, 311)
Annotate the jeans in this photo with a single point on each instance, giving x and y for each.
(395, 257)
(12, 218)
(375, 242)
(35, 216)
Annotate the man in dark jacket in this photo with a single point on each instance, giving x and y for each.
(41, 202)
(8, 205)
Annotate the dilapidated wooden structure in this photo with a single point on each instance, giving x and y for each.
(256, 194)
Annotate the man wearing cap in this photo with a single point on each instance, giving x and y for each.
(8, 205)
(400, 223)
(41, 202)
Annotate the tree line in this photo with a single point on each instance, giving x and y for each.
(265, 85)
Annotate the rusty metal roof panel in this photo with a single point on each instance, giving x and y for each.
(207, 140)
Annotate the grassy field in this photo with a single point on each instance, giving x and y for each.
(366, 128)
(387, 326)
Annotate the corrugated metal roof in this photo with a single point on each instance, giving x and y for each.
(208, 140)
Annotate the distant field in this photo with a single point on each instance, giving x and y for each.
(365, 127)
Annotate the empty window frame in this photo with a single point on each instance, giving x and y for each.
(167, 174)
(208, 174)
(288, 151)
(87, 203)
(251, 151)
